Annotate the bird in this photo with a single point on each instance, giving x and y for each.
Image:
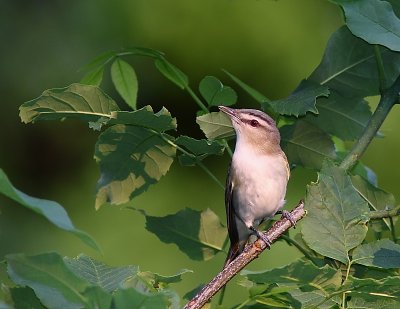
(257, 177)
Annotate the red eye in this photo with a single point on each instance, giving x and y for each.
(254, 123)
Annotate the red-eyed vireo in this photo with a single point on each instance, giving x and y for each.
(257, 178)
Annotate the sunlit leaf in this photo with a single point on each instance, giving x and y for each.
(50, 210)
(172, 73)
(382, 253)
(160, 281)
(94, 77)
(200, 235)
(85, 102)
(131, 158)
(99, 61)
(54, 284)
(374, 21)
(302, 100)
(215, 93)
(125, 81)
(336, 214)
(215, 125)
(306, 145)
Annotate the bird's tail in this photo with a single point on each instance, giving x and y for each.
(234, 250)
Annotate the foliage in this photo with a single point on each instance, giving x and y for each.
(342, 267)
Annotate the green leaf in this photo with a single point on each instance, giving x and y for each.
(313, 299)
(306, 145)
(146, 118)
(382, 253)
(142, 51)
(302, 100)
(172, 73)
(86, 102)
(343, 117)
(25, 298)
(200, 235)
(98, 298)
(215, 125)
(215, 93)
(131, 159)
(373, 21)
(160, 281)
(349, 66)
(131, 298)
(337, 215)
(99, 274)
(125, 81)
(51, 210)
(94, 77)
(199, 148)
(99, 61)
(54, 284)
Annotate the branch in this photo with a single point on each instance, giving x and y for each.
(381, 214)
(251, 252)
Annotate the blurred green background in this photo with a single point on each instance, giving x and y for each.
(271, 45)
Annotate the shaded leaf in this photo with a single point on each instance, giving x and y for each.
(94, 77)
(125, 81)
(302, 100)
(215, 125)
(131, 159)
(86, 102)
(98, 298)
(131, 298)
(349, 66)
(143, 51)
(215, 93)
(25, 298)
(99, 274)
(54, 284)
(382, 253)
(199, 148)
(200, 235)
(337, 215)
(51, 210)
(306, 145)
(374, 21)
(313, 299)
(172, 73)
(343, 117)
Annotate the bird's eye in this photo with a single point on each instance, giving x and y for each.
(254, 123)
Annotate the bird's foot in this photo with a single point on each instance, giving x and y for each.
(262, 236)
(288, 215)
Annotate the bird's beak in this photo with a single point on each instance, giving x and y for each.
(229, 111)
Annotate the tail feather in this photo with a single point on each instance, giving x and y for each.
(234, 251)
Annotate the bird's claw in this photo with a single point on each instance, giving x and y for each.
(263, 237)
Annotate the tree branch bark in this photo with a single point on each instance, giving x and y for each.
(251, 252)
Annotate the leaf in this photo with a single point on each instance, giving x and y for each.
(25, 298)
(382, 253)
(200, 235)
(143, 51)
(94, 77)
(302, 100)
(161, 282)
(343, 117)
(99, 61)
(337, 215)
(199, 148)
(86, 102)
(314, 299)
(172, 73)
(306, 145)
(131, 298)
(131, 158)
(125, 81)
(54, 284)
(51, 210)
(215, 125)
(98, 298)
(215, 93)
(99, 274)
(146, 118)
(349, 66)
(373, 21)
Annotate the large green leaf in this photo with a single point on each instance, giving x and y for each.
(98, 298)
(51, 210)
(349, 66)
(125, 81)
(382, 253)
(302, 100)
(306, 145)
(131, 298)
(199, 149)
(215, 125)
(99, 274)
(24, 298)
(54, 284)
(336, 214)
(215, 93)
(200, 235)
(373, 21)
(86, 102)
(131, 158)
(343, 117)
(172, 72)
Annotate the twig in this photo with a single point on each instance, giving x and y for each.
(251, 252)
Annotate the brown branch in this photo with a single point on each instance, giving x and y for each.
(251, 252)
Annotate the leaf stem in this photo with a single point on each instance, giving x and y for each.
(389, 97)
(300, 248)
(197, 99)
(381, 68)
(393, 230)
